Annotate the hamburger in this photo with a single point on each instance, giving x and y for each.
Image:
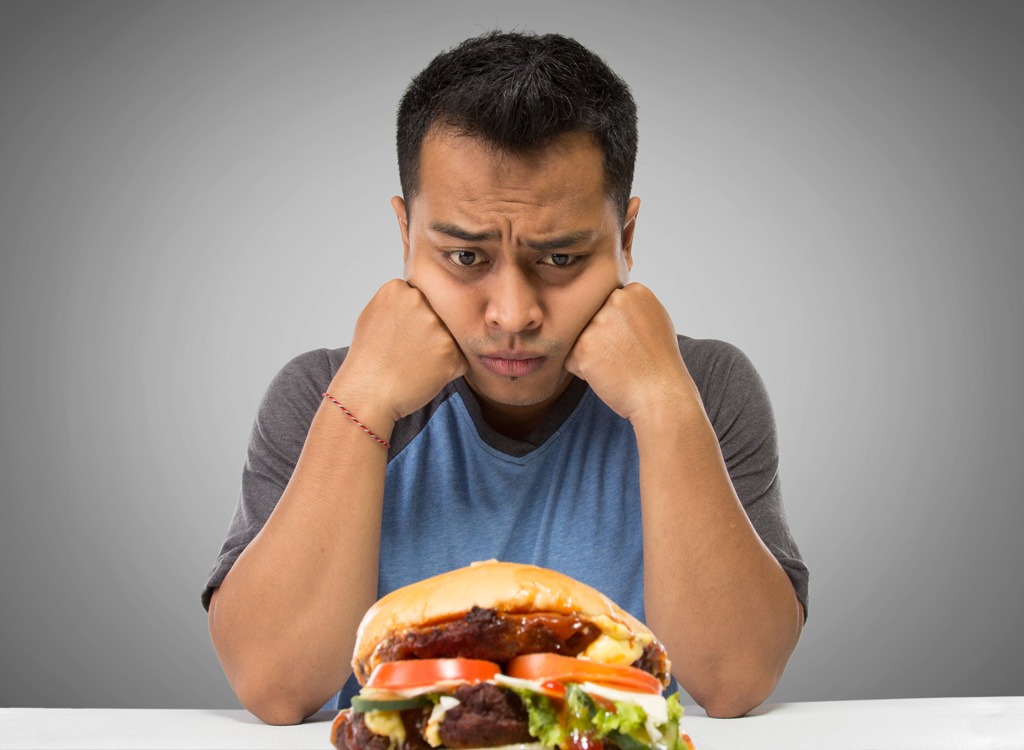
(501, 654)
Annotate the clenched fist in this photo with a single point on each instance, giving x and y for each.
(629, 355)
(401, 355)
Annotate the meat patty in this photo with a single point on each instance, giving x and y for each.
(355, 735)
(487, 716)
(652, 660)
(486, 634)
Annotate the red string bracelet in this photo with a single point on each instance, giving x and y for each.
(352, 416)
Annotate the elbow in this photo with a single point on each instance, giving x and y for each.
(729, 706)
(274, 701)
(261, 690)
(275, 712)
(732, 697)
(273, 695)
(280, 718)
(738, 686)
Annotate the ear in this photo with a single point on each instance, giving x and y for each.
(628, 227)
(398, 205)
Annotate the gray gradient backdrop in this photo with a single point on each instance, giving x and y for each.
(191, 194)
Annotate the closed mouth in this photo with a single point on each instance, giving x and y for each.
(512, 365)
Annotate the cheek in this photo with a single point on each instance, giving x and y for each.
(455, 310)
(581, 303)
(453, 303)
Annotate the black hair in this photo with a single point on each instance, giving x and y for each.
(517, 91)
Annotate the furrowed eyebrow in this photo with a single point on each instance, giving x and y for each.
(555, 243)
(559, 243)
(464, 234)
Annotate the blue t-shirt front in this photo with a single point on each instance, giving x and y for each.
(572, 504)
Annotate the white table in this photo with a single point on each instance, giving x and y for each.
(920, 724)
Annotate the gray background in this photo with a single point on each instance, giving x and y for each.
(191, 194)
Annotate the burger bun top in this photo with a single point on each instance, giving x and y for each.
(506, 587)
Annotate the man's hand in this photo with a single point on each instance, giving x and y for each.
(402, 354)
(629, 354)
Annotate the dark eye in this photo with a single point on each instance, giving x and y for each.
(558, 259)
(464, 258)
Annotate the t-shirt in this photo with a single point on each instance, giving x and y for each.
(566, 497)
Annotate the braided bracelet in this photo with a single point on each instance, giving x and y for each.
(352, 416)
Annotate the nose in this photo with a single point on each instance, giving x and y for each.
(513, 305)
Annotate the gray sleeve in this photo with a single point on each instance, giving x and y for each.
(737, 404)
(275, 442)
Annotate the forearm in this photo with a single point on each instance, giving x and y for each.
(719, 600)
(283, 622)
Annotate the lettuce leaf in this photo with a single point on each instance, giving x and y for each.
(625, 725)
(544, 724)
(627, 718)
(675, 709)
(671, 728)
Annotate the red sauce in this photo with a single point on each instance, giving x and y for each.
(584, 741)
(563, 626)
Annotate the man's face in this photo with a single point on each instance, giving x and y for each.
(515, 254)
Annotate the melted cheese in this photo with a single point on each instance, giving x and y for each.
(386, 724)
(608, 650)
(614, 645)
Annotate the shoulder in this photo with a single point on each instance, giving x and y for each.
(711, 360)
(295, 391)
(725, 376)
(310, 370)
(708, 351)
(312, 365)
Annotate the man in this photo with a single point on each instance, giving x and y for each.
(513, 397)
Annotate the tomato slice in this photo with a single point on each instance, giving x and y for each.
(558, 668)
(553, 689)
(412, 673)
